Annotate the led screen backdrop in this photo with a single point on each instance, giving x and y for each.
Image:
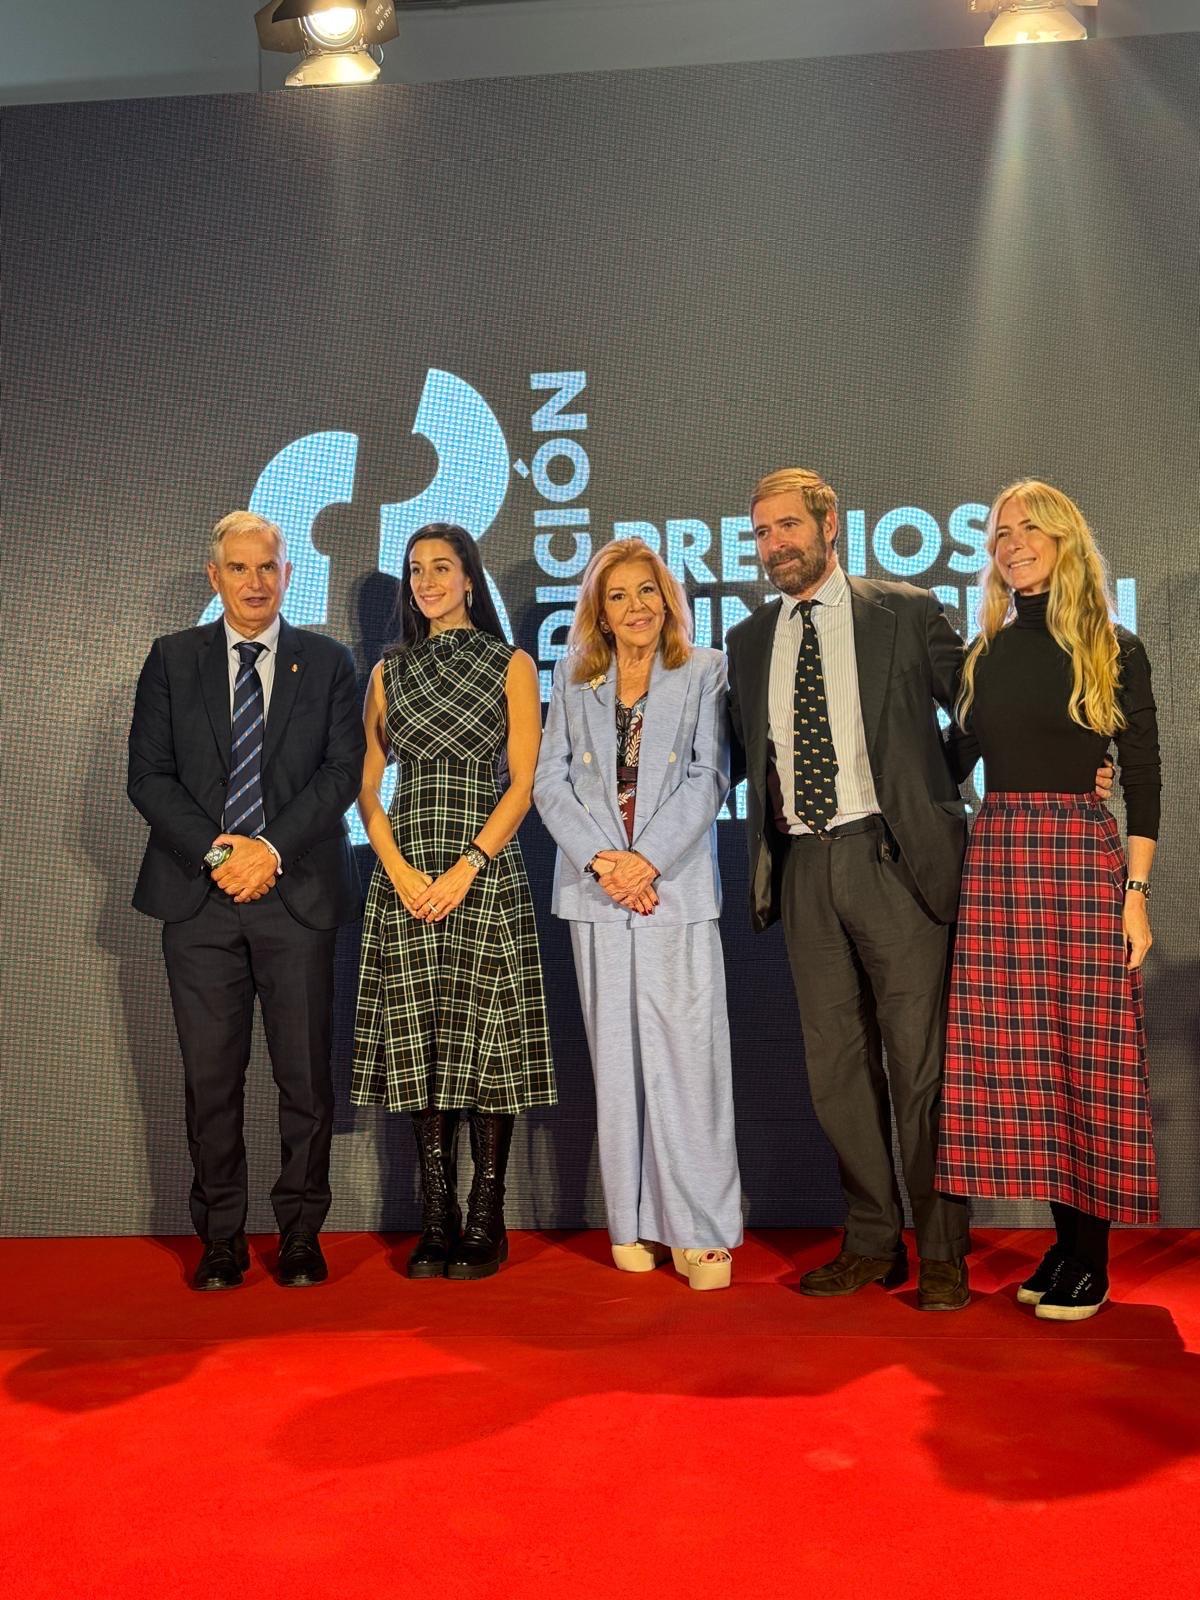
(555, 310)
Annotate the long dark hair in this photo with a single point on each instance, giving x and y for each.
(412, 625)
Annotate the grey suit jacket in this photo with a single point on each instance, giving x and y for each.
(908, 659)
(683, 778)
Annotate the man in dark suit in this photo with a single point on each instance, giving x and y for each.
(856, 833)
(246, 749)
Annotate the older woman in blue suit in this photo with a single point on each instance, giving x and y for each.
(633, 770)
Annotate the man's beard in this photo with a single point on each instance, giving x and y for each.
(805, 564)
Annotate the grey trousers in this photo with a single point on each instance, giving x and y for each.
(870, 964)
(654, 1008)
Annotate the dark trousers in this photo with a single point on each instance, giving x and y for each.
(870, 967)
(217, 961)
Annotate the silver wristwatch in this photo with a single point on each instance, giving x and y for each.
(477, 857)
(1137, 886)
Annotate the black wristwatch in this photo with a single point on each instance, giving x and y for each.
(1138, 886)
(478, 858)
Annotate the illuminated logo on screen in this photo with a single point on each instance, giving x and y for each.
(311, 474)
(713, 556)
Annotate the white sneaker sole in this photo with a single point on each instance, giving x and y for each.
(1068, 1313)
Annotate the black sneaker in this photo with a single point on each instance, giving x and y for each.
(1044, 1278)
(1077, 1293)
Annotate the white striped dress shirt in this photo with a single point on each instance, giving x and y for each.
(833, 618)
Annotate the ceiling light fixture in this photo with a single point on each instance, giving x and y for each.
(335, 41)
(1032, 21)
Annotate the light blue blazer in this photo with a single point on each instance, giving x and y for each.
(683, 778)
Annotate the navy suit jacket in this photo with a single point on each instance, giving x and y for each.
(312, 765)
(683, 778)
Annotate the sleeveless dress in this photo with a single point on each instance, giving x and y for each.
(450, 1014)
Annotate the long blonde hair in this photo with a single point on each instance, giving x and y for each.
(586, 642)
(1078, 615)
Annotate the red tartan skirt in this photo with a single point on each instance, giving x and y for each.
(1046, 1088)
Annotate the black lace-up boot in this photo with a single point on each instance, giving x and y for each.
(484, 1243)
(441, 1219)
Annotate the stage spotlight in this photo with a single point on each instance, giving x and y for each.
(335, 40)
(1032, 21)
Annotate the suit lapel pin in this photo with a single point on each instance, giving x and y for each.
(295, 667)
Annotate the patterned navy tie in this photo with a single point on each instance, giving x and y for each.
(244, 807)
(815, 762)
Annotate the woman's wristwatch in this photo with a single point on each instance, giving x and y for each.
(477, 857)
(1137, 886)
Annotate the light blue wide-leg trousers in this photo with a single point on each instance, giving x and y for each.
(654, 1008)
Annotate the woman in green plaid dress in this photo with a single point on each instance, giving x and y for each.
(451, 1013)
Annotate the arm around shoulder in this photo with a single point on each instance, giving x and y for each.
(945, 651)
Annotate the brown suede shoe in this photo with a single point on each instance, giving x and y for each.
(847, 1273)
(942, 1286)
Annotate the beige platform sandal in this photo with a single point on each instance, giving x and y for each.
(704, 1269)
(639, 1257)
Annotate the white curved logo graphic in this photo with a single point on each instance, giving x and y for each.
(311, 474)
(471, 481)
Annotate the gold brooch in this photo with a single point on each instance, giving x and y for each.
(600, 678)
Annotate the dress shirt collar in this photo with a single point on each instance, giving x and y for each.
(268, 638)
(832, 592)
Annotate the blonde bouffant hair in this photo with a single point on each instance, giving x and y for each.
(587, 644)
(1078, 615)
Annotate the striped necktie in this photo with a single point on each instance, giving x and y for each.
(244, 807)
(815, 762)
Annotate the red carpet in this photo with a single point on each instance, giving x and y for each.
(564, 1430)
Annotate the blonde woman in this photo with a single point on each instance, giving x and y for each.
(1046, 1083)
(633, 771)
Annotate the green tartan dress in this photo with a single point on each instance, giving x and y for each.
(450, 1013)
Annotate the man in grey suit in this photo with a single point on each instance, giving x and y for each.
(856, 834)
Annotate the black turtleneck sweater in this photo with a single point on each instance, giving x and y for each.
(1020, 725)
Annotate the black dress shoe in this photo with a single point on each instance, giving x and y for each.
(848, 1272)
(301, 1264)
(222, 1264)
